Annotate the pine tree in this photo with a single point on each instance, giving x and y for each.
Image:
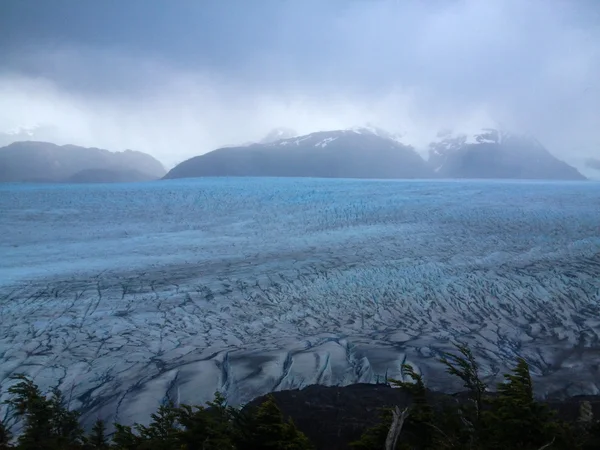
(269, 431)
(66, 431)
(162, 433)
(5, 436)
(208, 428)
(97, 439)
(516, 420)
(30, 405)
(125, 439)
(48, 423)
(418, 428)
(466, 368)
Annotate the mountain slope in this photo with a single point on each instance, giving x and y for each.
(43, 161)
(496, 154)
(108, 176)
(357, 153)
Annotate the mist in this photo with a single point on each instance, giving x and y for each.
(178, 80)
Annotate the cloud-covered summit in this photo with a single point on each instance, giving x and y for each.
(182, 78)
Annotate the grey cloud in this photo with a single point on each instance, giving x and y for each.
(408, 66)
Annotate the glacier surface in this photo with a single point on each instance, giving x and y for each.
(126, 295)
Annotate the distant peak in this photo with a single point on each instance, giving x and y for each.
(482, 136)
(376, 131)
(278, 134)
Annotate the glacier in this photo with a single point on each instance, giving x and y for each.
(127, 295)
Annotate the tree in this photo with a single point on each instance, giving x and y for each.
(5, 436)
(48, 423)
(267, 430)
(515, 419)
(97, 439)
(34, 410)
(418, 427)
(125, 439)
(210, 427)
(163, 432)
(466, 368)
(65, 428)
(374, 438)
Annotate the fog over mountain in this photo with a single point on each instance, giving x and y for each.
(370, 152)
(355, 153)
(493, 153)
(593, 163)
(173, 80)
(33, 161)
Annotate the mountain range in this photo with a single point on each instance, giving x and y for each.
(361, 152)
(373, 153)
(33, 161)
(495, 153)
(356, 153)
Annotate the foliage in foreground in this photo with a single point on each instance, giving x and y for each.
(47, 424)
(510, 418)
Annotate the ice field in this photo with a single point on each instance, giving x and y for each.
(126, 295)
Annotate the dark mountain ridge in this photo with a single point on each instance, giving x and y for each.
(33, 161)
(374, 153)
(354, 153)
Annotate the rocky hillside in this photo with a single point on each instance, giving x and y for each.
(32, 161)
(496, 154)
(109, 176)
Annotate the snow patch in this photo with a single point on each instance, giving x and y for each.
(297, 141)
(325, 141)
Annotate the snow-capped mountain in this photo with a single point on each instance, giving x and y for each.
(378, 132)
(36, 133)
(493, 153)
(360, 152)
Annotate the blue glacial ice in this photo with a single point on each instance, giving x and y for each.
(126, 295)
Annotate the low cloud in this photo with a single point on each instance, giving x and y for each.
(409, 67)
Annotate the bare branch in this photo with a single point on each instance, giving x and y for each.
(395, 428)
(548, 444)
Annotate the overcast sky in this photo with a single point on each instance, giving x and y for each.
(180, 78)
